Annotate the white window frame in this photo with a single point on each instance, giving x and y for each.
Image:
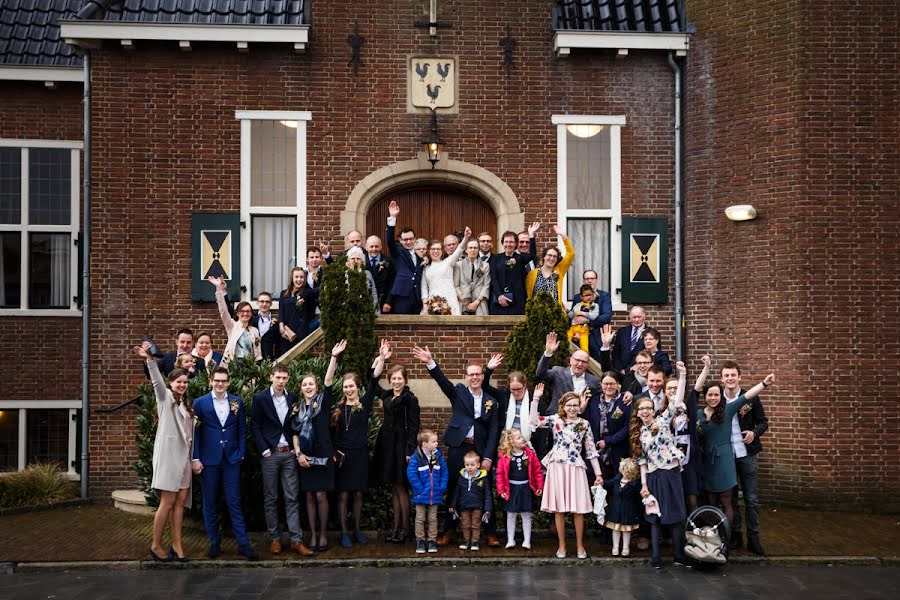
(23, 406)
(614, 212)
(246, 117)
(72, 228)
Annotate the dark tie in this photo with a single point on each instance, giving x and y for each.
(634, 337)
(473, 271)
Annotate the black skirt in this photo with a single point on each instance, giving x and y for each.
(353, 474)
(317, 479)
(665, 485)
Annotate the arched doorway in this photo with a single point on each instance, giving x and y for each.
(434, 211)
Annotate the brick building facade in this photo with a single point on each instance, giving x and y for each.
(760, 113)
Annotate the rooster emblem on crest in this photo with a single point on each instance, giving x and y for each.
(433, 93)
(443, 70)
(422, 70)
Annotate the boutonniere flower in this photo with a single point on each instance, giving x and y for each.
(299, 301)
(488, 405)
(234, 407)
(744, 409)
(295, 409)
(617, 414)
(426, 261)
(381, 265)
(256, 341)
(654, 429)
(510, 262)
(554, 277)
(579, 426)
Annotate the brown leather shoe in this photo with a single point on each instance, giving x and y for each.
(492, 541)
(275, 548)
(445, 538)
(301, 549)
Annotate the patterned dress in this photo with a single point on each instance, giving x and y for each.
(566, 487)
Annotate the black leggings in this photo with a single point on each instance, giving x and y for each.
(677, 530)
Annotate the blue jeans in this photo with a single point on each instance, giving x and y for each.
(747, 472)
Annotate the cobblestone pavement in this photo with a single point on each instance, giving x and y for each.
(99, 532)
(546, 583)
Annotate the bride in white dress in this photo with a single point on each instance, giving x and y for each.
(437, 277)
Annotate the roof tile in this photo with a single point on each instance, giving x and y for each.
(655, 16)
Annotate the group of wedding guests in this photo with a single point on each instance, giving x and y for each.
(632, 431)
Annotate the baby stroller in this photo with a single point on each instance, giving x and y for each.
(706, 536)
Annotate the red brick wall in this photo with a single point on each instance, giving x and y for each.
(167, 144)
(791, 107)
(40, 349)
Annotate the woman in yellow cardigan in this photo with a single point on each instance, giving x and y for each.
(549, 276)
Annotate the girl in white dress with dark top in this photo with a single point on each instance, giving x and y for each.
(437, 277)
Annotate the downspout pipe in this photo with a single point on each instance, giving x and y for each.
(679, 266)
(85, 277)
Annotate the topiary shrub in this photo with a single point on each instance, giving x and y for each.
(347, 313)
(525, 342)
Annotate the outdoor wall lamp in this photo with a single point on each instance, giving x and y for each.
(433, 143)
(740, 212)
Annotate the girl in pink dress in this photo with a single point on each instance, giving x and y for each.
(566, 486)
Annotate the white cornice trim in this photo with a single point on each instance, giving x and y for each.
(36, 73)
(28, 143)
(274, 115)
(77, 32)
(565, 41)
(587, 119)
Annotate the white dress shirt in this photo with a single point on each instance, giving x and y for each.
(222, 408)
(281, 408)
(737, 438)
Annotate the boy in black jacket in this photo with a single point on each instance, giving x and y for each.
(472, 500)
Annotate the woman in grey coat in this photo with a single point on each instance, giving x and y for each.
(171, 456)
(472, 278)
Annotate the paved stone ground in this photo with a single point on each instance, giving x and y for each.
(99, 532)
(545, 583)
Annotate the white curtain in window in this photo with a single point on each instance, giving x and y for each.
(590, 237)
(59, 270)
(274, 253)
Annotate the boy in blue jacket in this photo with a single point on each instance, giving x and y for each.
(427, 474)
(472, 500)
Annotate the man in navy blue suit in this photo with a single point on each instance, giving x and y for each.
(271, 429)
(403, 299)
(629, 340)
(472, 427)
(184, 343)
(220, 441)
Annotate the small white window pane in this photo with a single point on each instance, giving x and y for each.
(273, 165)
(588, 167)
(274, 253)
(10, 186)
(48, 437)
(590, 237)
(49, 186)
(49, 260)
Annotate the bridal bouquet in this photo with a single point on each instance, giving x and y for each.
(438, 305)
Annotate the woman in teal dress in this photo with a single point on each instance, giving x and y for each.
(714, 429)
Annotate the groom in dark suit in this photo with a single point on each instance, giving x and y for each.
(508, 269)
(270, 426)
(403, 299)
(220, 441)
(472, 427)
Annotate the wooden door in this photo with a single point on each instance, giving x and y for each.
(433, 213)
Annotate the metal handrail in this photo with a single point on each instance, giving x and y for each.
(120, 406)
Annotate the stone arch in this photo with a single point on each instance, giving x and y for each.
(455, 173)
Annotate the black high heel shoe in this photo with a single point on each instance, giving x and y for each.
(392, 538)
(156, 557)
(173, 556)
(401, 537)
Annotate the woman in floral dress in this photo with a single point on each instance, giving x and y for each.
(566, 486)
(654, 447)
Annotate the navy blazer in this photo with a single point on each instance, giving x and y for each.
(462, 416)
(617, 435)
(383, 275)
(270, 340)
(510, 280)
(605, 303)
(213, 443)
(405, 269)
(623, 355)
(661, 359)
(264, 423)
